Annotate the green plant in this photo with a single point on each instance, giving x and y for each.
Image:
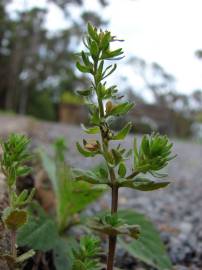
(15, 155)
(45, 232)
(151, 156)
(86, 256)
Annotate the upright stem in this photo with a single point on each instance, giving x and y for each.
(13, 244)
(112, 239)
(114, 188)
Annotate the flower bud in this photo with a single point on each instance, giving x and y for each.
(92, 145)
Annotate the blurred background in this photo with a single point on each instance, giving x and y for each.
(161, 70)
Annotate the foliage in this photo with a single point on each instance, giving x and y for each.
(41, 234)
(85, 258)
(151, 156)
(39, 226)
(71, 196)
(13, 165)
(44, 232)
(148, 247)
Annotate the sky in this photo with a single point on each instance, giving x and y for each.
(164, 31)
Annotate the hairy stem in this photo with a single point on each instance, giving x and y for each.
(114, 188)
(13, 244)
(112, 239)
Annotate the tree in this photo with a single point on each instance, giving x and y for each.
(34, 61)
(155, 79)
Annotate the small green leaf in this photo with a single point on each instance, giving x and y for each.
(94, 48)
(111, 71)
(143, 184)
(92, 32)
(122, 169)
(84, 93)
(91, 130)
(23, 171)
(105, 41)
(121, 109)
(85, 59)
(82, 68)
(123, 133)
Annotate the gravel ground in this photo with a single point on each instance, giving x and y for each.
(175, 210)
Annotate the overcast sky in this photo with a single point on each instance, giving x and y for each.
(164, 31)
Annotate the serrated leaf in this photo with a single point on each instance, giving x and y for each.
(123, 133)
(62, 254)
(148, 248)
(71, 196)
(143, 184)
(40, 233)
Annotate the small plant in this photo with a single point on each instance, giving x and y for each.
(15, 155)
(50, 232)
(86, 256)
(150, 157)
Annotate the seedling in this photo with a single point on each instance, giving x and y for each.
(150, 157)
(15, 155)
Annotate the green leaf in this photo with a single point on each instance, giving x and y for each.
(71, 196)
(92, 32)
(143, 184)
(62, 254)
(149, 247)
(98, 177)
(111, 71)
(99, 73)
(87, 176)
(123, 133)
(121, 109)
(39, 233)
(91, 130)
(23, 171)
(94, 48)
(85, 59)
(112, 55)
(105, 41)
(84, 93)
(122, 169)
(82, 68)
